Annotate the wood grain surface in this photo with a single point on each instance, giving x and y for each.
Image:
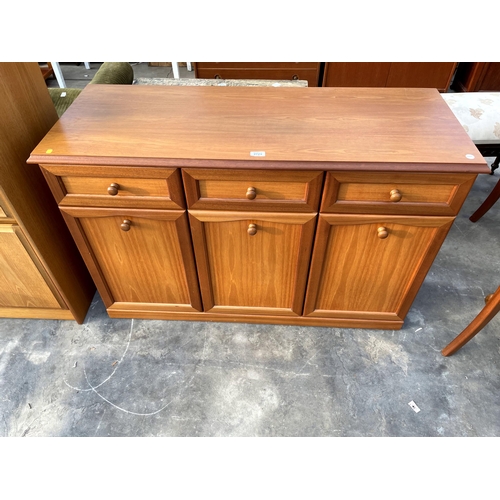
(220, 126)
(261, 274)
(152, 263)
(356, 274)
(28, 113)
(21, 281)
(420, 194)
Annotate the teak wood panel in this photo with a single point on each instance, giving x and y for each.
(421, 194)
(28, 113)
(296, 128)
(356, 274)
(261, 274)
(274, 190)
(386, 74)
(137, 187)
(22, 283)
(150, 265)
(421, 74)
(265, 71)
(347, 74)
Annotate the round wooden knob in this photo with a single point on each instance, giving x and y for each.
(125, 225)
(252, 229)
(251, 193)
(113, 189)
(295, 77)
(382, 233)
(395, 195)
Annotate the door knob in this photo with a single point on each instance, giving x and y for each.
(125, 225)
(251, 193)
(395, 195)
(113, 189)
(252, 229)
(382, 233)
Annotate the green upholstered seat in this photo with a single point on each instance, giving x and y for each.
(118, 73)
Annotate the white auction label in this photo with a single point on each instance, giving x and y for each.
(257, 153)
(414, 407)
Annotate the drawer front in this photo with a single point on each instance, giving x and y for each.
(398, 193)
(219, 189)
(311, 75)
(257, 65)
(119, 187)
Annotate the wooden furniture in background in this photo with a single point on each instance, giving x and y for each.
(41, 272)
(47, 70)
(304, 207)
(260, 70)
(436, 75)
(477, 76)
(489, 311)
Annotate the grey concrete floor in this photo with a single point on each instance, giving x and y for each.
(122, 377)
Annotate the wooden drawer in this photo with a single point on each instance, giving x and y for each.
(260, 71)
(255, 190)
(118, 187)
(395, 193)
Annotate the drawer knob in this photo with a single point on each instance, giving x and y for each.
(125, 225)
(382, 233)
(252, 229)
(251, 193)
(113, 189)
(295, 77)
(395, 195)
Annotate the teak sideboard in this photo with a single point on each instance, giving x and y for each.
(303, 206)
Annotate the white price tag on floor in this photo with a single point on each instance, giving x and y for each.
(414, 407)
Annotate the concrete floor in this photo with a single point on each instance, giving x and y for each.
(121, 377)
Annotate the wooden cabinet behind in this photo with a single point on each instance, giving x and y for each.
(477, 76)
(260, 70)
(436, 75)
(41, 272)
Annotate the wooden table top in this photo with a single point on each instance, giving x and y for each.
(315, 127)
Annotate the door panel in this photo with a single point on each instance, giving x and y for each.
(22, 283)
(149, 264)
(361, 271)
(261, 273)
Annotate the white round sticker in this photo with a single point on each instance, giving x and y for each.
(470, 157)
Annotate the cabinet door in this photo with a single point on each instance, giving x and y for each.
(252, 263)
(141, 260)
(349, 74)
(371, 266)
(421, 74)
(23, 282)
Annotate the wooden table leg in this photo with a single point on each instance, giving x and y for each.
(487, 204)
(480, 321)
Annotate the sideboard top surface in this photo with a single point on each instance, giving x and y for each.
(217, 126)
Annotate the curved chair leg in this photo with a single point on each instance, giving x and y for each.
(478, 323)
(495, 164)
(487, 203)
